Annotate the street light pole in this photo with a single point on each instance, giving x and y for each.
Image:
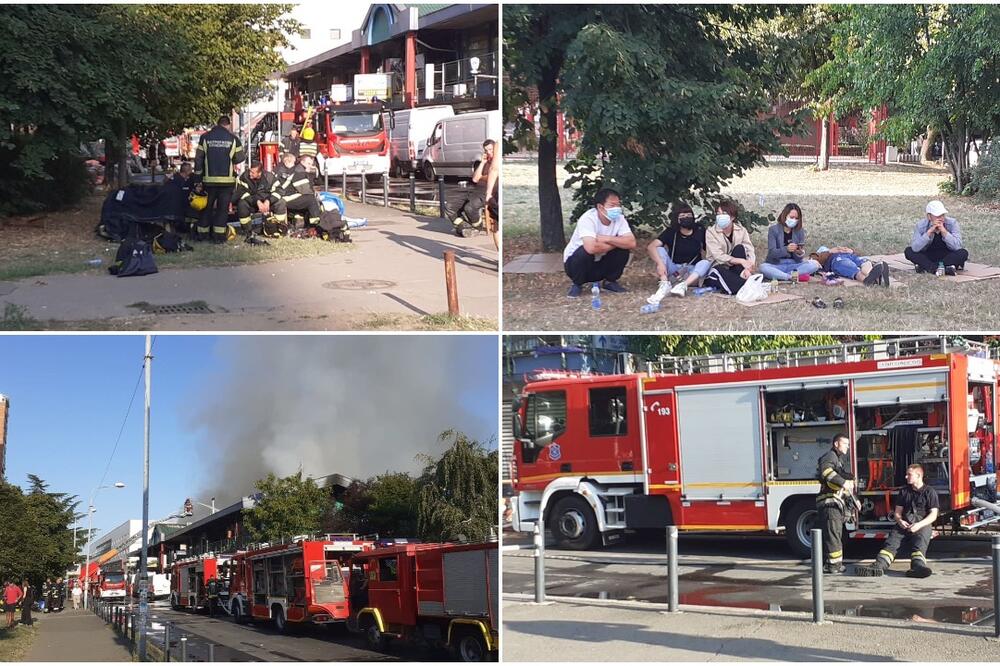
(143, 563)
(90, 533)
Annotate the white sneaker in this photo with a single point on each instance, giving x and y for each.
(680, 289)
(660, 294)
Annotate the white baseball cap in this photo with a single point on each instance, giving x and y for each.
(936, 208)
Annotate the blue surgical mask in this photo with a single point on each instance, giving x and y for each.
(722, 220)
(613, 213)
(791, 222)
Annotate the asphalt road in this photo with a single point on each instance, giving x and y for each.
(260, 642)
(759, 572)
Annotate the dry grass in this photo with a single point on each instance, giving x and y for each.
(14, 643)
(432, 322)
(873, 209)
(64, 241)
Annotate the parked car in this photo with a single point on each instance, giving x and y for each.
(409, 136)
(456, 144)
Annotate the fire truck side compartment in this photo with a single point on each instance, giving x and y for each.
(647, 512)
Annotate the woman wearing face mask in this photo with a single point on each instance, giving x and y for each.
(679, 250)
(786, 247)
(728, 247)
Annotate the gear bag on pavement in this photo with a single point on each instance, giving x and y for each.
(135, 257)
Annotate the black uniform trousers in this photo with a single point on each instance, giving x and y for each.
(216, 214)
(917, 542)
(245, 208)
(581, 266)
(307, 205)
(831, 520)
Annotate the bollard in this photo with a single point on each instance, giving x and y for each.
(364, 188)
(539, 561)
(385, 190)
(996, 586)
(672, 569)
(343, 184)
(184, 648)
(326, 179)
(211, 651)
(817, 564)
(166, 641)
(441, 195)
(413, 192)
(451, 283)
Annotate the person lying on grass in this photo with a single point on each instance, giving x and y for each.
(599, 247)
(679, 252)
(844, 262)
(728, 247)
(937, 243)
(786, 247)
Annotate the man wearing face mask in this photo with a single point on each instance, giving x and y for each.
(600, 245)
(728, 247)
(937, 243)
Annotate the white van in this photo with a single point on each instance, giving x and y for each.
(456, 144)
(409, 136)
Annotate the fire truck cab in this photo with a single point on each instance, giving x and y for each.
(442, 595)
(353, 138)
(189, 581)
(304, 581)
(730, 443)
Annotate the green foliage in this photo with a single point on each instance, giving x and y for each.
(458, 498)
(62, 182)
(288, 506)
(700, 345)
(932, 65)
(36, 540)
(383, 505)
(986, 174)
(77, 73)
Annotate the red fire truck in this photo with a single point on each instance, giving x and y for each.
(303, 581)
(730, 442)
(111, 582)
(189, 581)
(443, 595)
(352, 138)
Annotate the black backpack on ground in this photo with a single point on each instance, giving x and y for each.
(134, 257)
(333, 226)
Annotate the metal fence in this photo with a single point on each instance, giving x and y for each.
(165, 641)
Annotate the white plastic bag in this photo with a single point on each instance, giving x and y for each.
(754, 289)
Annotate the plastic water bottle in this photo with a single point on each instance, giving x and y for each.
(649, 308)
(595, 297)
(95, 262)
(701, 291)
(940, 269)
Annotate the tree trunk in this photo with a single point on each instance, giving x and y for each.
(824, 145)
(124, 146)
(929, 139)
(549, 200)
(958, 158)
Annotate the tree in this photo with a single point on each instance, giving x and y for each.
(935, 67)
(385, 505)
(287, 506)
(36, 540)
(672, 100)
(458, 499)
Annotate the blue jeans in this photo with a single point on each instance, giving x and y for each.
(700, 267)
(846, 265)
(782, 270)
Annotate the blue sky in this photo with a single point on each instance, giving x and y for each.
(357, 405)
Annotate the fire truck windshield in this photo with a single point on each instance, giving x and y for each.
(356, 122)
(330, 588)
(114, 578)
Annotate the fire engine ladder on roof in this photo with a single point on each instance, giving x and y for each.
(860, 350)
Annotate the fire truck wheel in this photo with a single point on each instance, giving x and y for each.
(376, 639)
(470, 647)
(573, 523)
(800, 519)
(173, 602)
(429, 171)
(279, 619)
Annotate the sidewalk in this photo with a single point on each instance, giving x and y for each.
(75, 635)
(395, 267)
(618, 631)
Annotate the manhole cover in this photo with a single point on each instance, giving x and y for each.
(359, 285)
(178, 309)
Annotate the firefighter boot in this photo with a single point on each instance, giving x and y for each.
(870, 570)
(919, 570)
(837, 568)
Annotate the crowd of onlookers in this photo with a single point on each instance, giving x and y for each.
(24, 598)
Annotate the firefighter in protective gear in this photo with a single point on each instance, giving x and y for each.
(256, 193)
(835, 479)
(294, 185)
(213, 595)
(291, 142)
(917, 507)
(219, 151)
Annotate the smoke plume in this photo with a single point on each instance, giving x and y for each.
(352, 405)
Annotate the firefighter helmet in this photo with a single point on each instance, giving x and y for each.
(199, 201)
(308, 134)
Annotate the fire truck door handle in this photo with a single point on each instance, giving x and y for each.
(627, 466)
(672, 467)
(566, 467)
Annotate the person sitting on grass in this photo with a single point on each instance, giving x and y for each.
(843, 262)
(728, 247)
(786, 250)
(937, 243)
(679, 251)
(599, 247)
